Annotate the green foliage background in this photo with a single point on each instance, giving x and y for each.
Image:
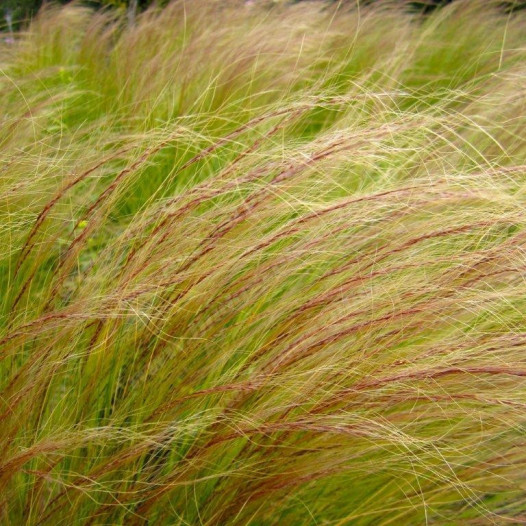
(22, 10)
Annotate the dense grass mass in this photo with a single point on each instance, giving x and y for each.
(264, 267)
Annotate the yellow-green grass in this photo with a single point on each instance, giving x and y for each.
(264, 266)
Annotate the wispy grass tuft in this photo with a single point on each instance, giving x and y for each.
(263, 266)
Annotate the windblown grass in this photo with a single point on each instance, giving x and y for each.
(264, 267)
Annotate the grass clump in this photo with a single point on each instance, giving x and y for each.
(263, 267)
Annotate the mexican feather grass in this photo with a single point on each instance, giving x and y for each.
(264, 266)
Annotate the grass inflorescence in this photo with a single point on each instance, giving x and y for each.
(264, 266)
